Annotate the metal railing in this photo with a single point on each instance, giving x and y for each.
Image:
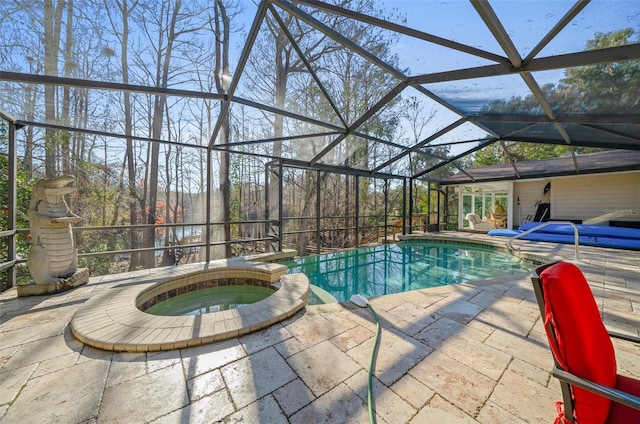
(544, 224)
(175, 243)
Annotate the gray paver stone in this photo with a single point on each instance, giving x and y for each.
(255, 376)
(323, 366)
(62, 396)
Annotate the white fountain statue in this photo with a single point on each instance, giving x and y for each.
(52, 261)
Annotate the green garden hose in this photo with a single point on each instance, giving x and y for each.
(372, 418)
(362, 302)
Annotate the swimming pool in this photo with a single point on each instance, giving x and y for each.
(394, 268)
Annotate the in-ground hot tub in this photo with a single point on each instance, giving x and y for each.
(183, 296)
(114, 320)
(212, 299)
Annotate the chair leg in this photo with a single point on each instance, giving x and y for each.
(568, 401)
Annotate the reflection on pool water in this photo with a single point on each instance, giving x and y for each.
(212, 299)
(394, 268)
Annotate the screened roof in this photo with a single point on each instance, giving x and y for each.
(394, 88)
(589, 163)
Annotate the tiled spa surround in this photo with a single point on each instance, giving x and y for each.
(115, 321)
(145, 302)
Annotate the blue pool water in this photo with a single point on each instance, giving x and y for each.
(394, 268)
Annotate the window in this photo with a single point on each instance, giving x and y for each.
(483, 201)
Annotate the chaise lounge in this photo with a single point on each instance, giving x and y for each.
(477, 223)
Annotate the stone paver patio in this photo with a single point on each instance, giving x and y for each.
(471, 353)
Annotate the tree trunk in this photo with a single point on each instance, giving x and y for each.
(162, 76)
(168, 255)
(52, 24)
(309, 194)
(30, 97)
(66, 91)
(222, 30)
(129, 159)
(274, 227)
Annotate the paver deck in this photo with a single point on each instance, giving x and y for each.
(472, 353)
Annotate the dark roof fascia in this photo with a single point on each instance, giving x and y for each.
(631, 162)
(535, 176)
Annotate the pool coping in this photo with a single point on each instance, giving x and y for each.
(500, 244)
(112, 321)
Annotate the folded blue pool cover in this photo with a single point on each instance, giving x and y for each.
(590, 235)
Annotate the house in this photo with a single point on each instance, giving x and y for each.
(597, 188)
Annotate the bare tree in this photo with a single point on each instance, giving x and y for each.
(52, 28)
(341, 71)
(222, 29)
(168, 28)
(121, 31)
(280, 51)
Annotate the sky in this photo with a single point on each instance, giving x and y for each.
(526, 21)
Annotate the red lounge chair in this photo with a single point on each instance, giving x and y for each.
(585, 360)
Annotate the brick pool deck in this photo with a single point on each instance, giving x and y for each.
(470, 353)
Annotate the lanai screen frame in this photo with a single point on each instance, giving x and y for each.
(511, 63)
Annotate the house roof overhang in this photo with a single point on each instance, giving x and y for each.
(592, 163)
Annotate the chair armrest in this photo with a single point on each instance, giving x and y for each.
(608, 392)
(626, 337)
